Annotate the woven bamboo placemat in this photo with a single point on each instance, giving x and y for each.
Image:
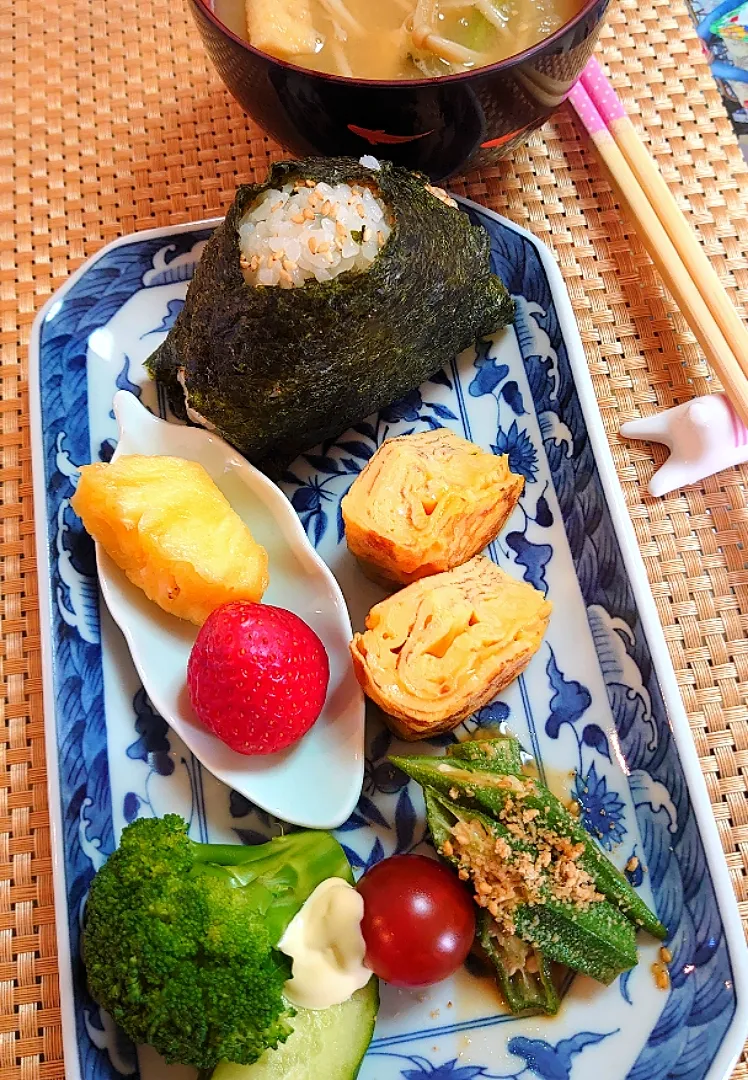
(111, 121)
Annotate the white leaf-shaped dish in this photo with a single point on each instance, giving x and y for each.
(315, 783)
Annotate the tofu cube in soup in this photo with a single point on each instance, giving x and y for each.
(282, 27)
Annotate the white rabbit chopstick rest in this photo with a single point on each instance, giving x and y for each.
(704, 436)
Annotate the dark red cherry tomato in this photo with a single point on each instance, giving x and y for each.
(419, 920)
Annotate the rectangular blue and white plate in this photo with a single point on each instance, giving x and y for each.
(598, 707)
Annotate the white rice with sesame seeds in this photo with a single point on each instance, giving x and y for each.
(306, 230)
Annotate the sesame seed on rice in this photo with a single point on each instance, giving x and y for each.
(317, 231)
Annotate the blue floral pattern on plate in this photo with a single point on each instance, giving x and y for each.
(589, 708)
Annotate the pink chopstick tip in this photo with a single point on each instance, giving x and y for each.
(601, 92)
(586, 110)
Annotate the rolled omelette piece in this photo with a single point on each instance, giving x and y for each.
(438, 650)
(166, 524)
(426, 503)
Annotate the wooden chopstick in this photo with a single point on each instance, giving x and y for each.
(673, 269)
(652, 183)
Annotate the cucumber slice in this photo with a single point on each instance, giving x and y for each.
(328, 1043)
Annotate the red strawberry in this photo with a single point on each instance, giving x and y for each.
(257, 676)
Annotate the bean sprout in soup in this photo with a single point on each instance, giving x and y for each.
(394, 39)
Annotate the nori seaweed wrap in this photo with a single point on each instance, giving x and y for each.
(277, 370)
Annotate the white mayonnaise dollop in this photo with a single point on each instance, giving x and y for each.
(325, 942)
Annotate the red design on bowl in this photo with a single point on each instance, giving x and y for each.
(502, 140)
(377, 138)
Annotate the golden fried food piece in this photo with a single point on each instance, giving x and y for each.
(166, 524)
(426, 503)
(435, 652)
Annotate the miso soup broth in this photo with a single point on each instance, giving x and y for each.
(394, 39)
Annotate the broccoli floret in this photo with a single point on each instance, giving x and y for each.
(179, 938)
